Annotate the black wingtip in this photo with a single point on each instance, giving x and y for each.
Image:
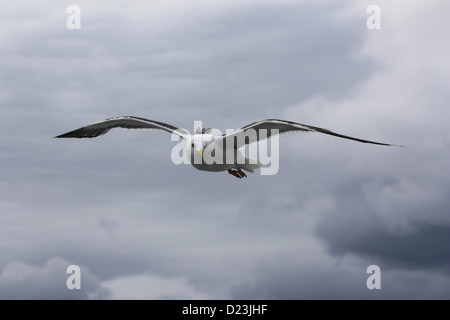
(69, 135)
(64, 135)
(395, 145)
(387, 144)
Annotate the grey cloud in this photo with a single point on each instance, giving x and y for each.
(19, 280)
(117, 205)
(401, 223)
(425, 246)
(290, 278)
(147, 286)
(260, 46)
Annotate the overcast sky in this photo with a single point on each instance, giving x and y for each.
(141, 227)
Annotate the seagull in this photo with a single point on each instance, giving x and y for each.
(204, 139)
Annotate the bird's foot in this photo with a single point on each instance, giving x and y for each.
(237, 173)
(242, 173)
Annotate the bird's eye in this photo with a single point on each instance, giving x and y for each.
(192, 145)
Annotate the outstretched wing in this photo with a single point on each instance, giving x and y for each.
(265, 129)
(128, 122)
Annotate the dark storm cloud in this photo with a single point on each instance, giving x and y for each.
(401, 220)
(133, 65)
(426, 245)
(263, 45)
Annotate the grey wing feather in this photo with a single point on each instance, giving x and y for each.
(265, 129)
(128, 122)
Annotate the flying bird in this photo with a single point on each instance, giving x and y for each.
(223, 147)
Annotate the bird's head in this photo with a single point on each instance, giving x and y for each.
(196, 146)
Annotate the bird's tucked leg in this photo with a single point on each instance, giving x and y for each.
(241, 173)
(234, 173)
(237, 173)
